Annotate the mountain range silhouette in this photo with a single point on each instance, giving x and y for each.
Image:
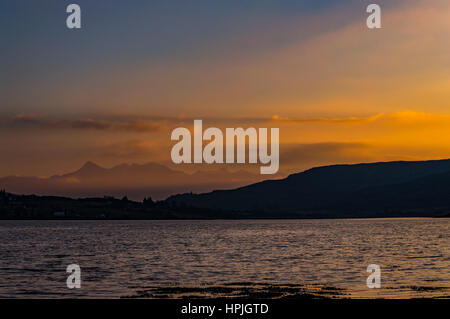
(136, 181)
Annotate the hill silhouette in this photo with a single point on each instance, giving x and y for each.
(420, 188)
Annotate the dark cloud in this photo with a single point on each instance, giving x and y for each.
(96, 124)
(151, 123)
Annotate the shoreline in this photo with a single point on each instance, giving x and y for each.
(224, 219)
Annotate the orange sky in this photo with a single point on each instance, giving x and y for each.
(339, 92)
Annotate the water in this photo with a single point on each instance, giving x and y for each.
(121, 258)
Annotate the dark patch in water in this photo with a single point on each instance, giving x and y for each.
(241, 290)
(423, 288)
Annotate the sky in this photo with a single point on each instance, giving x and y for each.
(113, 91)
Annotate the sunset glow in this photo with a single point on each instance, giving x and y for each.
(338, 91)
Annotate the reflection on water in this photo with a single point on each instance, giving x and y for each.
(128, 258)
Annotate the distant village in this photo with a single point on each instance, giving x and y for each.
(33, 207)
(53, 207)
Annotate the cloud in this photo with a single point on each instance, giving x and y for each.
(143, 123)
(26, 118)
(328, 120)
(419, 118)
(138, 126)
(396, 119)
